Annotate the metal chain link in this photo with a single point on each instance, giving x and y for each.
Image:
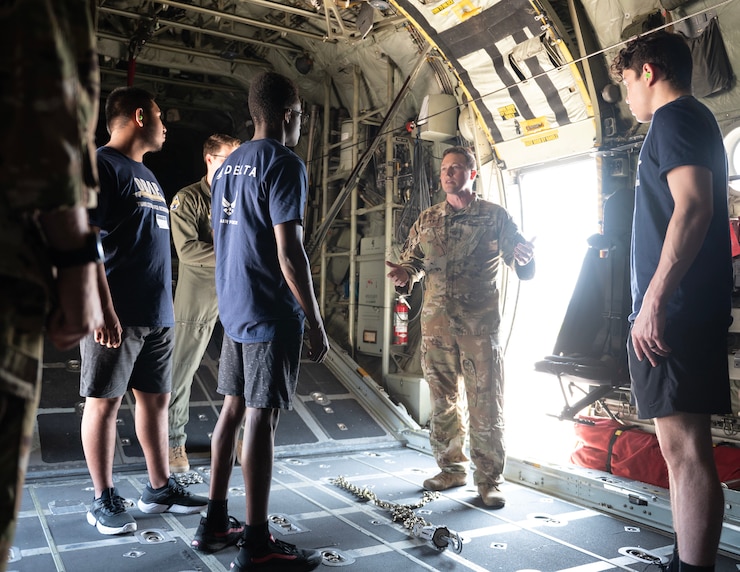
(403, 513)
(189, 478)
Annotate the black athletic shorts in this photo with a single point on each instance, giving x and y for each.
(266, 373)
(693, 378)
(143, 362)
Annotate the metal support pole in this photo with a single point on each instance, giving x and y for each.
(353, 215)
(324, 189)
(320, 234)
(390, 177)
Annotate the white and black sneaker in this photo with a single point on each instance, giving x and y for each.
(170, 498)
(108, 514)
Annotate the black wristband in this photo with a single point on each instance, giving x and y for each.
(91, 251)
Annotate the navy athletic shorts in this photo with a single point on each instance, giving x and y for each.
(693, 378)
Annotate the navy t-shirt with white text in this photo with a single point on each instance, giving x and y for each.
(134, 224)
(261, 185)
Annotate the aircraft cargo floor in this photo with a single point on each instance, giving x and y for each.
(329, 434)
(534, 532)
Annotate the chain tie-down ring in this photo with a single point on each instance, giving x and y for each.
(438, 537)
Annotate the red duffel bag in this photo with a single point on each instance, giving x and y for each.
(627, 451)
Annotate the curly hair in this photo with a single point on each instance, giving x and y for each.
(664, 50)
(270, 94)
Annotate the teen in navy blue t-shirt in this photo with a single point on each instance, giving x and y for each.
(265, 292)
(681, 285)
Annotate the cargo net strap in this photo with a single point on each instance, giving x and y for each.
(439, 537)
(612, 441)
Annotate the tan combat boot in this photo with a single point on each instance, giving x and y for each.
(445, 480)
(179, 460)
(491, 495)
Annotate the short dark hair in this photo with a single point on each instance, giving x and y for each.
(662, 49)
(214, 143)
(467, 153)
(123, 101)
(270, 94)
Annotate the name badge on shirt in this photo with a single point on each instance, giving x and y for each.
(162, 222)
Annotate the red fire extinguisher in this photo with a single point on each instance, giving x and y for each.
(401, 322)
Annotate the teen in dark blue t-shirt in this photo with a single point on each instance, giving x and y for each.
(681, 283)
(265, 291)
(132, 350)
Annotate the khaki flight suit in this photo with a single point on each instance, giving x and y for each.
(196, 307)
(459, 253)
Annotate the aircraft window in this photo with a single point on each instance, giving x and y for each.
(559, 205)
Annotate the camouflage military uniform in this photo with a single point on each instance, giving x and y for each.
(459, 253)
(196, 307)
(49, 89)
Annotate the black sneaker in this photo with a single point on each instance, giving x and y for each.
(108, 514)
(173, 498)
(278, 557)
(211, 541)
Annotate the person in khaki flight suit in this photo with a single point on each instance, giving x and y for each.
(196, 308)
(458, 245)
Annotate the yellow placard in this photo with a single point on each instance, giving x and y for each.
(529, 126)
(442, 6)
(536, 140)
(508, 112)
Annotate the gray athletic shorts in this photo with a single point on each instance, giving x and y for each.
(266, 373)
(693, 378)
(143, 362)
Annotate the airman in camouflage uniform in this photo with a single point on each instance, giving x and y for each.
(457, 245)
(49, 89)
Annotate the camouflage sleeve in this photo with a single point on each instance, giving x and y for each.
(412, 255)
(49, 88)
(509, 238)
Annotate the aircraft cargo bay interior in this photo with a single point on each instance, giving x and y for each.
(385, 87)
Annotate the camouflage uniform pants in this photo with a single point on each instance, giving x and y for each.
(17, 418)
(478, 361)
(22, 311)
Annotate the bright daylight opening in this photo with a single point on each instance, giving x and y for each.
(561, 209)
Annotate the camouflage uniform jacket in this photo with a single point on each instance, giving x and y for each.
(49, 90)
(192, 235)
(459, 253)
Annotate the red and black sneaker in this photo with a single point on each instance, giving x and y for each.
(279, 556)
(208, 541)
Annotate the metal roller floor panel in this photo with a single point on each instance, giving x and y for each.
(535, 531)
(343, 425)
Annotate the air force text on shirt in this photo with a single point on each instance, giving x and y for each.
(234, 171)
